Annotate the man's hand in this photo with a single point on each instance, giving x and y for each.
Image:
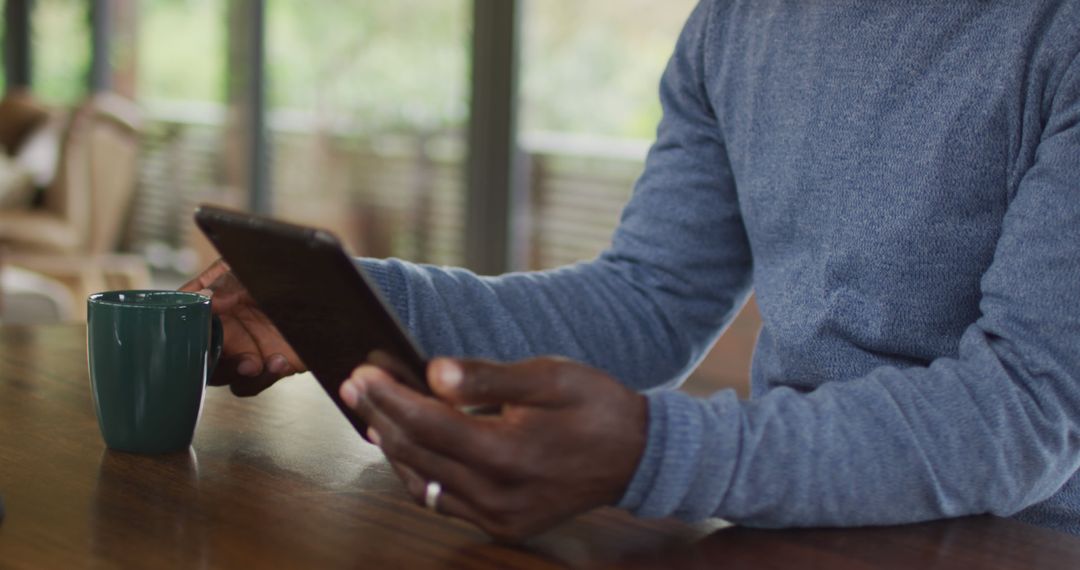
(254, 355)
(567, 439)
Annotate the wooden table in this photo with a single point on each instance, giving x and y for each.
(281, 481)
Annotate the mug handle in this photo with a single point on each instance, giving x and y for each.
(217, 340)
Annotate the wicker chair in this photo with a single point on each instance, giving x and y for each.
(71, 238)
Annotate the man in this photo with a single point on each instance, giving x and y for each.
(900, 185)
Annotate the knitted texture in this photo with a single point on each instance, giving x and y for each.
(899, 184)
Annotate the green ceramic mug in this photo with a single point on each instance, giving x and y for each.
(150, 355)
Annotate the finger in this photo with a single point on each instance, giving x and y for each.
(400, 450)
(239, 356)
(537, 382)
(465, 494)
(414, 483)
(236, 370)
(208, 276)
(279, 365)
(276, 353)
(228, 292)
(245, 374)
(447, 503)
(496, 525)
(253, 386)
(431, 423)
(239, 349)
(236, 366)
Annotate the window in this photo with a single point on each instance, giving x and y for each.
(181, 51)
(589, 107)
(369, 102)
(61, 50)
(180, 84)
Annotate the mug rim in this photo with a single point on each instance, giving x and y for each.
(109, 298)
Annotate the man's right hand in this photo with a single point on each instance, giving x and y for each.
(254, 354)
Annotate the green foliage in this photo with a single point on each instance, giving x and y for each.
(390, 65)
(592, 66)
(588, 66)
(61, 50)
(3, 26)
(181, 51)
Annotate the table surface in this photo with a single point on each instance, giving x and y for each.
(281, 480)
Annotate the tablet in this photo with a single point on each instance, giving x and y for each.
(317, 297)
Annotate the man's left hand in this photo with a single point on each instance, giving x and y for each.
(567, 438)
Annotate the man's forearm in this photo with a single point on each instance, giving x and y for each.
(960, 437)
(588, 312)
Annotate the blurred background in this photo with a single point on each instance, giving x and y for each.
(494, 134)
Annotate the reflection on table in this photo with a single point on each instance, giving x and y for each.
(282, 481)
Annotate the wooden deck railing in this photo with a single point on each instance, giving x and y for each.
(399, 195)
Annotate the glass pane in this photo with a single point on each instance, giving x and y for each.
(588, 112)
(181, 52)
(589, 108)
(593, 67)
(368, 108)
(61, 50)
(180, 72)
(3, 30)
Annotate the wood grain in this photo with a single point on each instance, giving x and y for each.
(282, 481)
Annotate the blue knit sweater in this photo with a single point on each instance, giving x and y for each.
(899, 183)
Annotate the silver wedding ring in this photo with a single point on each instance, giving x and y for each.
(431, 495)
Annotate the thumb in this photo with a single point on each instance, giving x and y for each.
(539, 382)
(208, 276)
(227, 292)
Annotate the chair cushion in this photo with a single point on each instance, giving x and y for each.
(16, 186)
(20, 114)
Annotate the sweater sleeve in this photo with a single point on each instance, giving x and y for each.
(648, 308)
(993, 430)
